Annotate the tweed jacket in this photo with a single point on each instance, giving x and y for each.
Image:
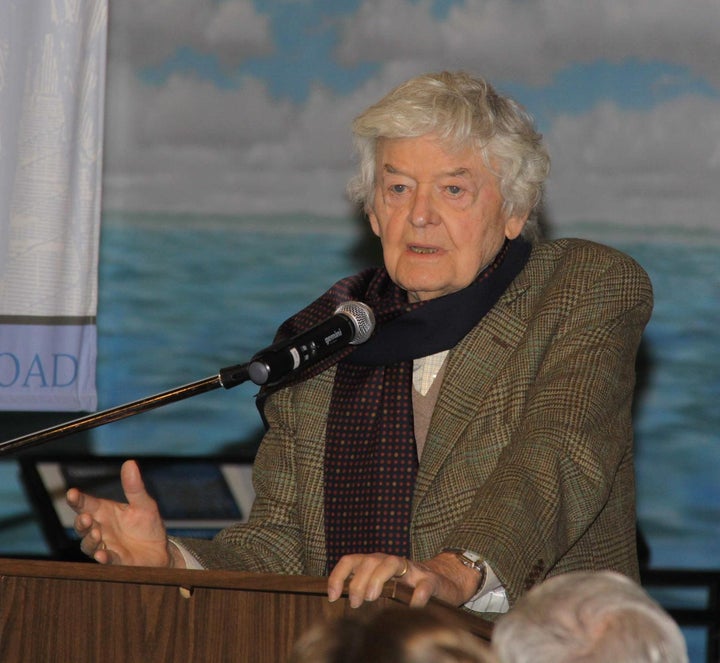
(529, 454)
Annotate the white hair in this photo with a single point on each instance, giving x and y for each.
(588, 617)
(463, 111)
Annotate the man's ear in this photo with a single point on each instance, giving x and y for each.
(372, 218)
(514, 225)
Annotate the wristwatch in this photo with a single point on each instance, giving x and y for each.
(472, 561)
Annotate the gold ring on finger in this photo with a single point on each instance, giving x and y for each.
(406, 566)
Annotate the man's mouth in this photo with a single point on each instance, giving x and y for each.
(422, 249)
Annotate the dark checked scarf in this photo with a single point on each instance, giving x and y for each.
(370, 455)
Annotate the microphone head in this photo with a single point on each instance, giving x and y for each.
(362, 319)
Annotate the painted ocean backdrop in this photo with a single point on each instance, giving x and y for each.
(182, 297)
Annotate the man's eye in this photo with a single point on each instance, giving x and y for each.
(398, 188)
(454, 190)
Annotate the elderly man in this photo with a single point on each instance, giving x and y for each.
(481, 440)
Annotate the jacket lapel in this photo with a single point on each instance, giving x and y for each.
(473, 364)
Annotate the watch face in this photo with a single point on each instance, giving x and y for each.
(468, 558)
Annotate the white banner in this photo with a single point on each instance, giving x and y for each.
(52, 88)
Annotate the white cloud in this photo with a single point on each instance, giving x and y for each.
(189, 111)
(236, 30)
(190, 146)
(389, 29)
(146, 32)
(658, 167)
(655, 168)
(530, 40)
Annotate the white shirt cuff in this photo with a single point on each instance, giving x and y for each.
(191, 561)
(491, 597)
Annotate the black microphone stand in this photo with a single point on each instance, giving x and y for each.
(227, 377)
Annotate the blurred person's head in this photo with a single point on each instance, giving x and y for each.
(391, 635)
(588, 617)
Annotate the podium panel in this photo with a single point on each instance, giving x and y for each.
(57, 612)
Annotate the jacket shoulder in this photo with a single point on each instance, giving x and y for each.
(585, 260)
(582, 250)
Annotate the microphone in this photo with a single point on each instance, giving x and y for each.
(351, 324)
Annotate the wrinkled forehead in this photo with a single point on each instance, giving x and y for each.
(462, 155)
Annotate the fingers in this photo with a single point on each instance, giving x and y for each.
(90, 532)
(92, 512)
(83, 524)
(404, 570)
(338, 576)
(92, 543)
(424, 591)
(80, 502)
(368, 575)
(130, 532)
(133, 485)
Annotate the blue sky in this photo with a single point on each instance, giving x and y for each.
(629, 84)
(241, 88)
(305, 36)
(304, 62)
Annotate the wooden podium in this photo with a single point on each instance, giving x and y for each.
(59, 612)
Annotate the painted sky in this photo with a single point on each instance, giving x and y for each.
(237, 107)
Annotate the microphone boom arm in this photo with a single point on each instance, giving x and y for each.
(353, 323)
(227, 378)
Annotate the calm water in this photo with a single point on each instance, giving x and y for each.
(181, 298)
(179, 302)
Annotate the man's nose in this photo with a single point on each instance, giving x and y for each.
(422, 211)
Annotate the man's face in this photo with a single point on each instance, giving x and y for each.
(438, 215)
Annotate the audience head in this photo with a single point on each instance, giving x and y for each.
(462, 111)
(391, 635)
(588, 617)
